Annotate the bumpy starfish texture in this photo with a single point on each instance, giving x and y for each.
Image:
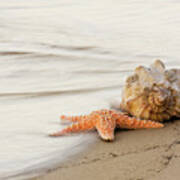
(105, 121)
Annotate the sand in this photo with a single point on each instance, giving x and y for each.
(134, 155)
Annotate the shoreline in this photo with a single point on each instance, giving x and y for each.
(134, 155)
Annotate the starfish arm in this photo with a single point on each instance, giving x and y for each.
(105, 127)
(77, 127)
(132, 123)
(65, 118)
(104, 112)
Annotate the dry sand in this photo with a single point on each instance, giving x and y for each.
(134, 155)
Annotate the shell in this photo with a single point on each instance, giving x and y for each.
(152, 93)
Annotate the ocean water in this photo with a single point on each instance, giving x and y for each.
(71, 57)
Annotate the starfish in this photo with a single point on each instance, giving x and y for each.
(105, 121)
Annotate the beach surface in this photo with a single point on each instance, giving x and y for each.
(134, 155)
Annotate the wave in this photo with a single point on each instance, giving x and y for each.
(10, 53)
(58, 92)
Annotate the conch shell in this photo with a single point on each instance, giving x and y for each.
(152, 93)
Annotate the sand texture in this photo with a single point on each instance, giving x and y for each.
(134, 155)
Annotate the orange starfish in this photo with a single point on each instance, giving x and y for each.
(105, 121)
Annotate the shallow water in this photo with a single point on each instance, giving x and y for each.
(71, 57)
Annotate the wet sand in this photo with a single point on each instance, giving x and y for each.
(134, 155)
